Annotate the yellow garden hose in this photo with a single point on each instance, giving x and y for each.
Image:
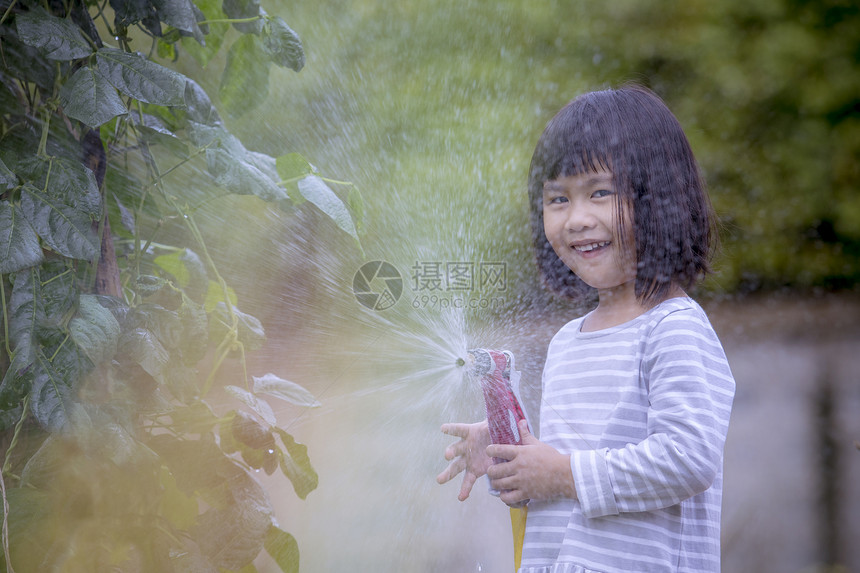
(518, 526)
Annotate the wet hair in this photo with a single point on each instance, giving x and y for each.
(631, 133)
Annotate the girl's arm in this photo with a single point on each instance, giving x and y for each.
(690, 391)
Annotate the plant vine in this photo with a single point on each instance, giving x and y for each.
(113, 341)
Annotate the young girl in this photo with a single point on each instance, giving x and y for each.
(636, 394)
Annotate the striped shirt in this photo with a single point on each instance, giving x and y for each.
(643, 409)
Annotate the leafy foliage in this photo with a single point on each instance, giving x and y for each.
(112, 344)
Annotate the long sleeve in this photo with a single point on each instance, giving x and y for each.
(690, 390)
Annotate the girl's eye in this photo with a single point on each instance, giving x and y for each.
(557, 200)
(602, 193)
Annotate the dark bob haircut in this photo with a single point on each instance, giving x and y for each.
(631, 133)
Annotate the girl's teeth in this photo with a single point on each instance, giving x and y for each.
(591, 246)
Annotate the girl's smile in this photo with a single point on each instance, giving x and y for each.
(581, 224)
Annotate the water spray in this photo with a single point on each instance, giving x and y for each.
(494, 369)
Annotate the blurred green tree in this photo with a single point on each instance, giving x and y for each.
(769, 92)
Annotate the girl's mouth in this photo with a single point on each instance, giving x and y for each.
(588, 247)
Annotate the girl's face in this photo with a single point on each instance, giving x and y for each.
(581, 223)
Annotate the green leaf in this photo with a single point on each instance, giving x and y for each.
(241, 10)
(153, 132)
(30, 507)
(245, 82)
(176, 507)
(57, 38)
(260, 407)
(7, 178)
(215, 295)
(126, 217)
(249, 431)
(356, 207)
(26, 62)
(266, 164)
(24, 312)
(45, 463)
(148, 285)
(172, 263)
(215, 137)
(89, 98)
(273, 385)
(283, 45)
(233, 536)
(142, 347)
(67, 180)
(94, 329)
(235, 168)
(179, 14)
(198, 106)
(141, 79)
(296, 465)
(214, 38)
(58, 295)
(41, 297)
(166, 51)
(293, 166)
(283, 549)
(317, 192)
(49, 396)
(241, 177)
(54, 385)
(19, 244)
(165, 324)
(251, 332)
(187, 556)
(197, 465)
(195, 418)
(186, 267)
(65, 228)
(129, 12)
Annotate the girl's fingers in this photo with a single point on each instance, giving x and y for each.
(456, 450)
(451, 471)
(468, 481)
(456, 430)
(512, 497)
(502, 451)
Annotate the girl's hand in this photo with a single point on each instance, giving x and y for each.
(534, 470)
(469, 454)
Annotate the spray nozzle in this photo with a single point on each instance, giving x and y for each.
(459, 363)
(479, 362)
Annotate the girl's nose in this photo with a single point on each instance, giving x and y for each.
(580, 218)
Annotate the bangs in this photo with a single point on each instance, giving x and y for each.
(577, 140)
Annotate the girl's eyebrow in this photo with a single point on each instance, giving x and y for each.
(594, 180)
(602, 179)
